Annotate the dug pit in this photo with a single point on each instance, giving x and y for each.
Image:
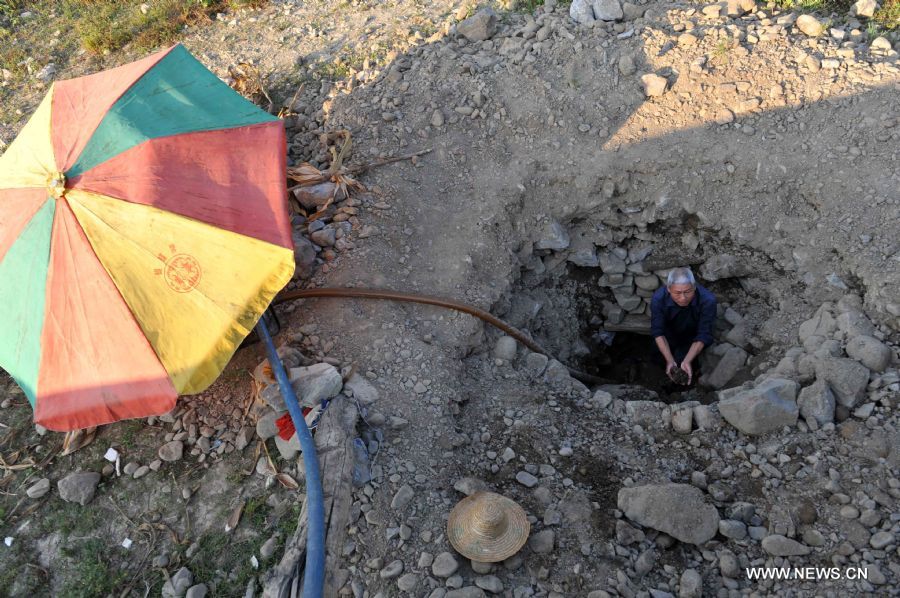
(583, 292)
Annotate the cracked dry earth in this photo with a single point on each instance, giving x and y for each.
(562, 186)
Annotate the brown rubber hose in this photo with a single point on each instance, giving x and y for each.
(440, 302)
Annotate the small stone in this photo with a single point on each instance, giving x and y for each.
(553, 236)
(778, 545)
(505, 348)
(880, 44)
(526, 479)
(542, 542)
(626, 65)
(687, 40)
(266, 427)
(489, 583)
(881, 540)
(39, 488)
(691, 584)
(402, 498)
(288, 449)
(864, 8)
(408, 582)
(268, 548)
(736, 530)
(391, 570)
(469, 486)
(810, 25)
(813, 537)
(437, 119)
(729, 565)
(870, 352)
(874, 574)
(177, 586)
(654, 85)
(817, 403)
(445, 565)
(198, 591)
(171, 451)
(806, 512)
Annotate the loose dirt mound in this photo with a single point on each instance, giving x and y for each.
(557, 195)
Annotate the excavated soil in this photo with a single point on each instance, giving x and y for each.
(549, 169)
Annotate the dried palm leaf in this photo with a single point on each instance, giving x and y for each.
(13, 466)
(235, 517)
(287, 481)
(248, 82)
(306, 174)
(78, 439)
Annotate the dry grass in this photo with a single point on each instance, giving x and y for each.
(108, 25)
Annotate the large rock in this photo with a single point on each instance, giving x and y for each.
(855, 323)
(732, 361)
(863, 8)
(553, 236)
(607, 10)
(723, 265)
(762, 409)
(315, 383)
(870, 352)
(610, 263)
(581, 12)
(362, 390)
(821, 324)
(480, 26)
(79, 487)
(816, 402)
(810, 25)
(675, 509)
(847, 378)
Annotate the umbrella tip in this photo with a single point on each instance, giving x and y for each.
(56, 184)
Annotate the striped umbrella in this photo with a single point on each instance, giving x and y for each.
(144, 229)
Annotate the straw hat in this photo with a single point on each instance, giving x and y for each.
(487, 527)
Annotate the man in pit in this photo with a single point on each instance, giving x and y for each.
(682, 316)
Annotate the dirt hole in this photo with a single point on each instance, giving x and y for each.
(583, 292)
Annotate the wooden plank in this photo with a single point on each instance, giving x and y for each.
(341, 498)
(334, 448)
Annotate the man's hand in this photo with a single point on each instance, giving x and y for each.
(686, 368)
(671, 366)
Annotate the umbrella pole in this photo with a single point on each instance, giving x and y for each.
(314, 576)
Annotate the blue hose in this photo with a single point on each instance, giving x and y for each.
(314, 576)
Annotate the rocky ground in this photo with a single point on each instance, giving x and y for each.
(573, 162)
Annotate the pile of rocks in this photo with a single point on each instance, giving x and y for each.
(747, 23)
(630, 272)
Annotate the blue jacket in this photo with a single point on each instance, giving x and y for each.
(683, 325)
